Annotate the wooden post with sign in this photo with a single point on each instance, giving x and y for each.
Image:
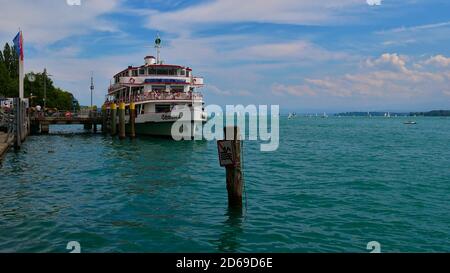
(230, 158)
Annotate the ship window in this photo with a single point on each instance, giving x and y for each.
(162, 108)
(162, 72)
(187, 73)
(134, 73)
(152, 71)
(141, 71)
(182, 72)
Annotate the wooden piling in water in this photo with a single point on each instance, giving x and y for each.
(45, 127)
(113, 120)
(132, 120)
(230, 157)
(104, 120)
(122, 121)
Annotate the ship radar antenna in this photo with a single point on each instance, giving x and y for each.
(158, 49)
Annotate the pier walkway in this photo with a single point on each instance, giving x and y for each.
(13, 126)
(6, 140)
(41, 123)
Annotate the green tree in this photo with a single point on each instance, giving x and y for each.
(9, 84)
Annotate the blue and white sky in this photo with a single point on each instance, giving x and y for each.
(308, 56)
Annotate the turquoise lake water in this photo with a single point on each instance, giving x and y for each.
(333, 185)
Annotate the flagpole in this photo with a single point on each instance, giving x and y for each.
(21, 74)
(21, 78)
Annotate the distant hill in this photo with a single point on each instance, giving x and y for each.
(434, 113)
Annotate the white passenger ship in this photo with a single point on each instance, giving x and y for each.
(156, 88)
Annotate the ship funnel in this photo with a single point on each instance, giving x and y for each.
(150, 60)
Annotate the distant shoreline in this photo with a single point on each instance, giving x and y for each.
(433, 113)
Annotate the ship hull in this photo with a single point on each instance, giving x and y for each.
(164, 129)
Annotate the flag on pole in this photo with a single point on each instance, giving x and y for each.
(18, 45)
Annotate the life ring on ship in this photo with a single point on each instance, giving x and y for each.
(132, 81)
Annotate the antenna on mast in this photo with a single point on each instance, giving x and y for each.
(158, 49)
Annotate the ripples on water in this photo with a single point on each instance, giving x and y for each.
(334, 185)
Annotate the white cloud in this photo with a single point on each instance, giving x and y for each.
(294, 90)
(72, 73)
(216, 90)
(220, 92)
(416, 28)
(288, 51)
(438, 60)
(46, 21)
(236, 11)
(376, 80)
(373, 2)
(393, 59)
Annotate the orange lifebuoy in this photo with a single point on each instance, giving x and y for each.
(132, 80)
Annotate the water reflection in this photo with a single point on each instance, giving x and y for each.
(232, 229)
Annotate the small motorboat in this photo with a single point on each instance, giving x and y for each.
(409, 122)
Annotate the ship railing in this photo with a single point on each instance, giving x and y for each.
(158, 96)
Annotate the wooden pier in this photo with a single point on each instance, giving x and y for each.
(6, 142)
(21, 122)
(14, 125)
(18, 122)
(41, 124)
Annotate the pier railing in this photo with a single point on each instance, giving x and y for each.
(65, 114)
(7, 120)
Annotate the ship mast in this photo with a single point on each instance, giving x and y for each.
(158, 49)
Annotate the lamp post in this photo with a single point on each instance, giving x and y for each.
(45, 88)
(31, 78)
(92, 87)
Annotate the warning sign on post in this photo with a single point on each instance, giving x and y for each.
(226, 152)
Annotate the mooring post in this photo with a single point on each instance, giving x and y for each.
(104, 118)
(132, 120)
(230, 158)
(113, 120)
(122, 121)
